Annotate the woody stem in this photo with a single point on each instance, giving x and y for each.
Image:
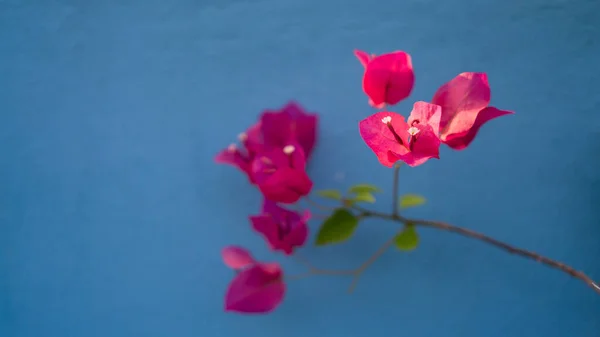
(489, 240)
(394, 216)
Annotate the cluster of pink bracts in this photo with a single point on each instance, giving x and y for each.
(275, 151)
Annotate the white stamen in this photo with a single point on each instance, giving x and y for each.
(289, 149)
(232, 148)
(242, 136)
(386, 119)
(413, 131)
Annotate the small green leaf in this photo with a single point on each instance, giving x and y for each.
(364, 197)
(330, 194)
(362, 188)
(408, 239)
(411, 200)
(337, 228)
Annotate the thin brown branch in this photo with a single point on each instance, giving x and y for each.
(489, 240)
(511, 249)
(394, 216)
(318, 205)
(361, 269)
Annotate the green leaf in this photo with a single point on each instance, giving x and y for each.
(330, 194)
(337, 228)
(408, 239)
(364, 197)
(362, 188)
(411, 200)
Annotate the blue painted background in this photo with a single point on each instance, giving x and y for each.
(112, 213)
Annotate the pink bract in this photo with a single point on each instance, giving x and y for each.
(388, 78)
(392, 139)
(290, 124)
(236, 257)
(258, 289)
(281, 174)
(275, 130)
(242, 158)
(284, 230)
(464, 101)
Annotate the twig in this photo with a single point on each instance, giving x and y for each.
(369, 262)
(355, 273)
(484, 238)
(394, 216)
(319, 206)
(511, 249)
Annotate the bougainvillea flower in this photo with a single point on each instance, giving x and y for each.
(391, 138)
(290, 124)
(258, 288)
(464, 101)
(388, 78)
(283, 229)
(275, 130)
(280, 174)
(236, 257)
(242, 158)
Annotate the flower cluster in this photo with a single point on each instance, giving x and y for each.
(453, 117)
(274, 152)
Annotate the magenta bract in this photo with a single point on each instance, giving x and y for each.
(281, 174)
(236, 257)
(392, 139)
(464, 101)
(258, 289)
(388, 78)
(283, 229)
(242, 158)
(291, 124)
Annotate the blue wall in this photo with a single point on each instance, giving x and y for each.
(112, 213)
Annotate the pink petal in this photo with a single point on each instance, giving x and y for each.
(299, 233)
(461, 141)
(258, 289)
(389, 78)
(254, 142)
(267, 227)
(426, 113)
(306, 133)
(277, 129)
(426, 147)
(233, 157)
(296, 160)
(376, 106)
(290, 125)
(236, 257)
(362, 57)
(380, 139)
(282, 229)
(270, 207)
(286, 185)
(461, 100)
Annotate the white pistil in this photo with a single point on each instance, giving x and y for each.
(413, 131)
(386, 119)
(289, 149)
(232, 148)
